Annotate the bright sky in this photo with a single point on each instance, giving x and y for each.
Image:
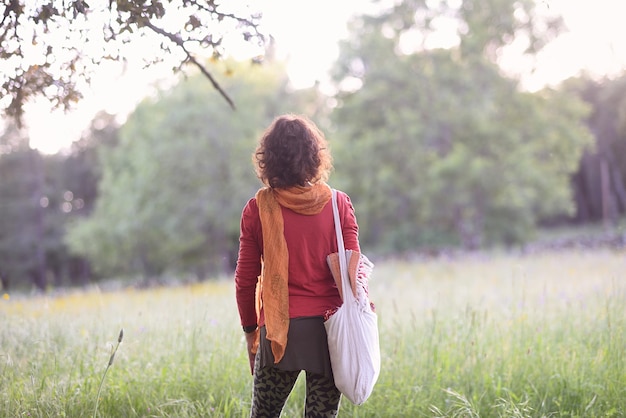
(307, 32)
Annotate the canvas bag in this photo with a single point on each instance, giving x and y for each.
(353, 331)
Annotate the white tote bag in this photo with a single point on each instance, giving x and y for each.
(353, 332)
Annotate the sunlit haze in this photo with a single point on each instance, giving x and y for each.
(306, 34)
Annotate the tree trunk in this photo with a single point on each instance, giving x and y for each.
(470, 227)
(4, 282)
(40, 268)
(620, 189)
(583, 211)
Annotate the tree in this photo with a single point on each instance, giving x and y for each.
(28, 217)
(12, 171)
(81, 173)
(50, 48)
(600, 182)
(438, 146)
(172, 191)
(40, 194)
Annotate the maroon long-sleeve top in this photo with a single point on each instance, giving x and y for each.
(310, 238)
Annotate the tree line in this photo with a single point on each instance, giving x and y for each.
(437, 148)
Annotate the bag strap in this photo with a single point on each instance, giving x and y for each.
(341, 251)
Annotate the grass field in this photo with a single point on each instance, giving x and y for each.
(481, 336)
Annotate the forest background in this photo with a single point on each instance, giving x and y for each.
(440, 149)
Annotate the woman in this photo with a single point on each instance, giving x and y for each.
(287, 230)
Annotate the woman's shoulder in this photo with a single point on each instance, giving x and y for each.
(342, 194)
(251, 206)
(252, 202)
(343, 198)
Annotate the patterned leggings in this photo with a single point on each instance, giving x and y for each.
(272, 386)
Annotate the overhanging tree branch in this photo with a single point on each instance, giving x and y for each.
(181, 44)
(58, 62)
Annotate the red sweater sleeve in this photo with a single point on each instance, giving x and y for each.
(350, 227)
(248, 263)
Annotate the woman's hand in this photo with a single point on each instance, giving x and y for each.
(252, 346)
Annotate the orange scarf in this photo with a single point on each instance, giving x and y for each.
(274, 275)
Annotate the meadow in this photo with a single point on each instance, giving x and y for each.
(491, 335)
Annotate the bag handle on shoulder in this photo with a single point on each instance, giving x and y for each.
(341, 251)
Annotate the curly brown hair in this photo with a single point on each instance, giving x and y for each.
(292, 152)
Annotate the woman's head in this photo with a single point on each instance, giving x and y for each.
(292, 152)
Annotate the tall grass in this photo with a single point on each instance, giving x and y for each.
(483, 336)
